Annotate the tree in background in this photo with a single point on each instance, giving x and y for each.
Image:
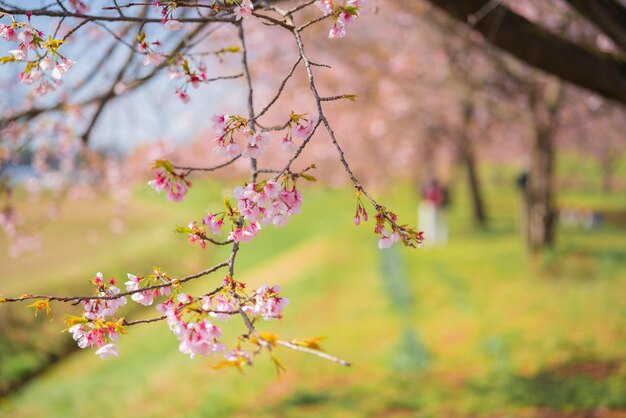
(508, 26)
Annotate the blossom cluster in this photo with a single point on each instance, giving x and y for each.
(343, 16)
(146, 297)
(268, 303)
(226, 126)
(187, 316)
(360, 210)
(167, 10)
(300, 127)
(47, 67)
(199, 337)
(97, 326)
(152, 57)
(264, 203)
(409, 236)
(387, 226)
(180, 66)
(180, 70)
(269, 203)
(175, 184)
(243, 10)
(192, 72)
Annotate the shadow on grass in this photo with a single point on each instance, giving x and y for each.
(571, 386)
(575, 259)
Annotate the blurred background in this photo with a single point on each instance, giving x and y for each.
(516, 305)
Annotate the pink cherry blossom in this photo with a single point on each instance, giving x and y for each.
(287, 145)
(268, 304)
(196, 235)
(346, 18)
(338, 31)
(8, 33)
(272, 205)
(45, 64)
(26, 37)
(237, 355)
(293, 199)
(256, 144)
(154, 58)
(258, 138)
(252, 151)
(219, 302)
(176, 185)
(183, 96)
(244, 10)
(233, 149)
(194, 80)
(303, 128)
(29, 78)
(167, 308)
(101, 308)
(174, 72)
(80, 335)
(177, 191)
(97, 328)
(246, 233)
(219, 123)
(214, 224)
(159, 183)
(388, 240)
(107, 350)
(18, 54)
(62, 68)
(326, 6)
(144, 298)
(272, 189)
(200, 338)
(172, 25)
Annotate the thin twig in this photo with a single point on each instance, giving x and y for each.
(119, 295)
(55, 13)
(280, 90)
(314, 352)
(206, 169)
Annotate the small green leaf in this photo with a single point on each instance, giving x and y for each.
(5, 60)
(183, 230)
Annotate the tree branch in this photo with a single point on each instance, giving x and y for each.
(600, 72)
(609, 16)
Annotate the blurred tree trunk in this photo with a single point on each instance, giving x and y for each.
(539, 212)
(469, 159)
(607, 161)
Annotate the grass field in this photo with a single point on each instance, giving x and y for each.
(479, 327)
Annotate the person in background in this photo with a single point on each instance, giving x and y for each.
(432, 213)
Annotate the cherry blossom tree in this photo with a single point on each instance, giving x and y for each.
(167, 36)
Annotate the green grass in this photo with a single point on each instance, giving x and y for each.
(479, 327)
